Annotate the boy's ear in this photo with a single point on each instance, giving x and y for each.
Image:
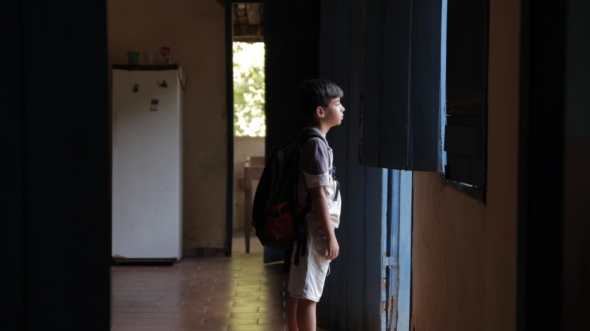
(319, 112)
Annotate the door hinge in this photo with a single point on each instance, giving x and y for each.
(389, 261)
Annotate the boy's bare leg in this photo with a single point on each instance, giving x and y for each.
(292, 314)
(306, 319)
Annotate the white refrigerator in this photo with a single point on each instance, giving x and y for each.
(147, 163)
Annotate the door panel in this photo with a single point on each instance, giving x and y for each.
(292, 56)
(397, 261)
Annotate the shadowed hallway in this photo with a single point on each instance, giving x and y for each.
(206, 293)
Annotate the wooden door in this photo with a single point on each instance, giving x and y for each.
(292, 56)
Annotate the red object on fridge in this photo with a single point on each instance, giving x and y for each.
(165, 55)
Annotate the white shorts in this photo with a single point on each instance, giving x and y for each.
(306, 281)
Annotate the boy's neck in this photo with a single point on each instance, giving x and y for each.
(319, 125)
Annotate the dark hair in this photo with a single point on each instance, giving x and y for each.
(316, 92)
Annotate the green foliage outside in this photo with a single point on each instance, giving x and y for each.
(249, 89)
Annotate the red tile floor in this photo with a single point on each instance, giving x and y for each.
(205, 293)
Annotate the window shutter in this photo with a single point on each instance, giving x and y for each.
(466, 110)
(401, 84)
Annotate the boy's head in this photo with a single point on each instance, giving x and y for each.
(315, 93)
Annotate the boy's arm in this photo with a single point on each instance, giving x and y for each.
(320, 205)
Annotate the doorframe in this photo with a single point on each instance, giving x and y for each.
(229, 101)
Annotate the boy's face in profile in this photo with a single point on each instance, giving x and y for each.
(334, 113)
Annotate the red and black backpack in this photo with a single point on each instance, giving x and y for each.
(275, 213)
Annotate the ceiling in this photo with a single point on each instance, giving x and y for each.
(248, 22)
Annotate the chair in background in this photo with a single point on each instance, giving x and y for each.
(252, 171)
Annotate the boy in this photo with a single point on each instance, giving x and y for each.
(319, 102)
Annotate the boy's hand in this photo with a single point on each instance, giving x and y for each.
(332, 248)
(320, 205)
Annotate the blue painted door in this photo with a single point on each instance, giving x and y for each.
(397, 245)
